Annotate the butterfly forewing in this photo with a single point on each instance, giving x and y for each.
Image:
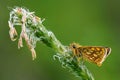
(94, 54)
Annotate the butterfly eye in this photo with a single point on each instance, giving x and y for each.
(74, 46)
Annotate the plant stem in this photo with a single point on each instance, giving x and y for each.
(32, 30)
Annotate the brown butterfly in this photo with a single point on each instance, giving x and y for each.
(95, 54)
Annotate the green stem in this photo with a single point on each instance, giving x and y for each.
(50, 40)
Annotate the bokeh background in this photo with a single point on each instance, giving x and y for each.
(87, 22)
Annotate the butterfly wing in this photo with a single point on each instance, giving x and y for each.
(95, 54)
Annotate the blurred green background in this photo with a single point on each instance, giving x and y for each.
(88, 22)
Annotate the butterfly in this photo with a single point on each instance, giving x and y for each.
(94, 54)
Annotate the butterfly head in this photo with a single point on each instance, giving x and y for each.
(74, 46)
